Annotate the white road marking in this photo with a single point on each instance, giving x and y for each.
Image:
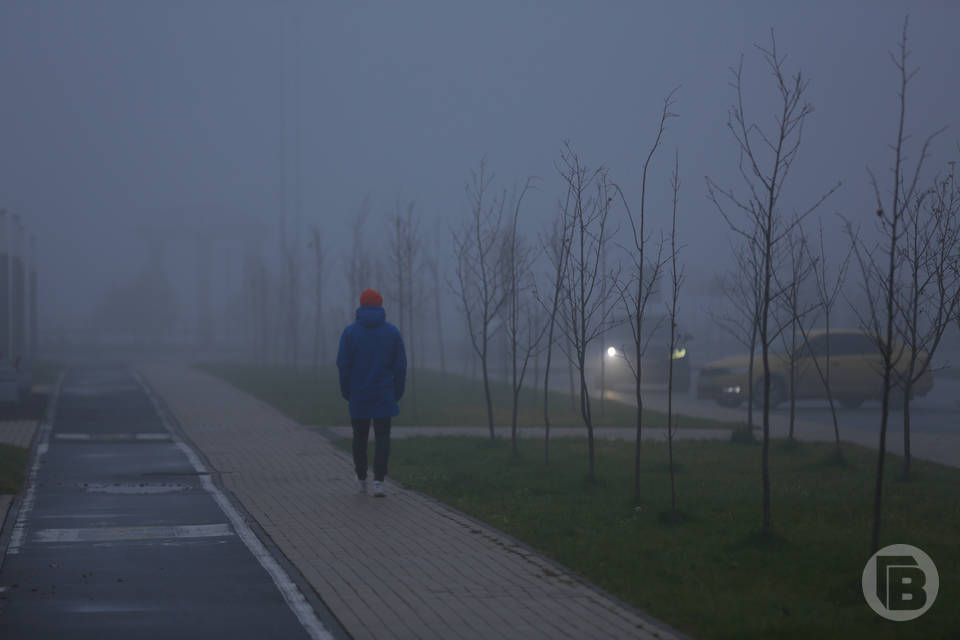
(72, 436)
(105, 534)
(141, 488)
(20, 526)
(288, 589)
(86, 607)
(81, 516)
(112, 437)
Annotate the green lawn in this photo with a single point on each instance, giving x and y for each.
(440, 400)
(710, 574)
(13, 464)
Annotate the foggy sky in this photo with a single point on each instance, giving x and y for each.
(120, 118)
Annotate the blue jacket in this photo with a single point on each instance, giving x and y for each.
(372, 364)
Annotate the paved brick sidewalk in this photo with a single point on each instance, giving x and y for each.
(403, 567)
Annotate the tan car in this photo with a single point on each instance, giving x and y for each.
(856, 373)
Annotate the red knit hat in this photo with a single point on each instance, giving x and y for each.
(370, 298)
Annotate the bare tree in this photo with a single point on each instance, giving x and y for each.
(358, 265)
(557, 245)
(586, 317)
(829, 287)
(404, 254)
(879, 268)
(927, 300)
(290, 254)
(319, 280)
(676, 281)
(571, 383)
(522, 330)
(765, 162)
(255, 275)
(642, 284)
(432, 263)
(794, 315)
(478, 278)
(742, 289)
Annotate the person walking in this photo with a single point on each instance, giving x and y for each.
(373, 371)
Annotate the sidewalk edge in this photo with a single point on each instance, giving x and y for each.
(323, 613)
(655, 623)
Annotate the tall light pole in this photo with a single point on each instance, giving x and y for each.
(34, 322)
(17, 290)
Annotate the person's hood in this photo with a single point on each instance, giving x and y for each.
(371, 316)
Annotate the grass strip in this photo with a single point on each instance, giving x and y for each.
(13, 465)
(705, 569)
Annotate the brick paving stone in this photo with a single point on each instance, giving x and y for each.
(402, 567)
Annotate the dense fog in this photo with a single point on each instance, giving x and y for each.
(180, 163)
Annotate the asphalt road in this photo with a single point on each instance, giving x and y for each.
(934, 419)
(122, 535)
(937, 412)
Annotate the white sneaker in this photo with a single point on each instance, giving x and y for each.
(362, 486)
(378, 489)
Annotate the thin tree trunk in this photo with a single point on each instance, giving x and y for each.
(765, 347)
(793, 366)
(888, 345)
(750, 369)
(587, 419)
(516, 396)
(439, 321)
(833, 407)
(316, 347)
(908, 387)
(673, 483)
(881, 454)
(546, 392)
(438, 312)
(639, 427)
(486, 386)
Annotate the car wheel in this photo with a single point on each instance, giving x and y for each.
(851, 403)
(729, 400)
(778, 392)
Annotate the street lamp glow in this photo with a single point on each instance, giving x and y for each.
(612, 352)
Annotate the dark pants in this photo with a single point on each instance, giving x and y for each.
(361, 434)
